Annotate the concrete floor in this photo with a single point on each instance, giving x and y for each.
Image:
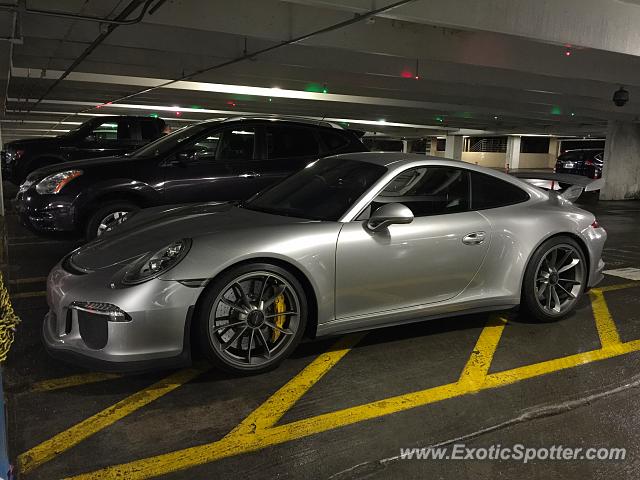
(71, 426)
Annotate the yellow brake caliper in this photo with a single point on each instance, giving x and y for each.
(279, 307)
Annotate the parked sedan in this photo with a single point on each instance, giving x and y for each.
(352, 242)
(227, 160)
(587, 163)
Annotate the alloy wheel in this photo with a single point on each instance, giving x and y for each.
(559, 279)
(254, 319)
(111, 220)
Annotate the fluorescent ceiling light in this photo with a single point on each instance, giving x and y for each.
(229, 113)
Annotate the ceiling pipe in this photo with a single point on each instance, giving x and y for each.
(128, 10)
(73, 16)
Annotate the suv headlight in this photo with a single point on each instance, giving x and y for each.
(56, 182)
(152, 265)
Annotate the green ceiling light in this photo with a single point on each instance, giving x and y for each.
(314, 87)
(197, 107)
(439, 118)
(573, 114)
(154, 115)
(270, 99)
(556, 110)
(325, 90)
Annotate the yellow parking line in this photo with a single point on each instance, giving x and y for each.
(620, 286)
(71, 381)
(63, 441)
(277, 405)
(607, 330)
(479, 362)
(28, 294)
(20, 281)
(244, 440)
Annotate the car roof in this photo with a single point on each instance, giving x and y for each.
(398, 160)
(285, 118)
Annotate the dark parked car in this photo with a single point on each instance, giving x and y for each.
(214, 160)
(98, 137)
(587, 162)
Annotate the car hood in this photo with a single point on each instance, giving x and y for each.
(32, 142)
(83, 164)
(151, 229)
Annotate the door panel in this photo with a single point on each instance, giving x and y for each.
(217, 166)
(419, 263)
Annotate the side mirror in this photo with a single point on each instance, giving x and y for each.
(389, 214)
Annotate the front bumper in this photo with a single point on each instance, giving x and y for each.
(155, 333)
(45, 213)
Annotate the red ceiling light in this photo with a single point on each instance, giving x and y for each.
(231, 103)
(567, 53)
(178, 113)
(406, 74)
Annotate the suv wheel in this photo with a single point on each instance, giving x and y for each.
(107, 217)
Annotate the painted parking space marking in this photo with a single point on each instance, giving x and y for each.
(63, 441)
(28, 294)
(260, 429)
(71, 381)
(21, 281)
(629, 273)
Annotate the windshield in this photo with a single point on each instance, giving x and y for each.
(324, 190)
(169, 142)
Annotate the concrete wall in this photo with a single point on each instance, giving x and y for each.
(537, 160)
(497, 159)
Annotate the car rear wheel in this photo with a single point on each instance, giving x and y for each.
(106, 217)
(555, 279)
(251, 318)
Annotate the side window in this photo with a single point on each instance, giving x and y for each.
(104, 131)
(290, 142)
(149, 130)
(333, 140)
(120, 131)
(428, 191)
(491, 192)
(237, 144)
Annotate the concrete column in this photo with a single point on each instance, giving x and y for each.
(433, 146)
(512, 159)
(621, 162)
(554, 149)
(405, 146)
(453, 147)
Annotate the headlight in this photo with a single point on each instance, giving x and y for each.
(157, 263)
(54, 183)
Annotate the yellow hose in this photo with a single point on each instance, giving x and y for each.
(8, 321)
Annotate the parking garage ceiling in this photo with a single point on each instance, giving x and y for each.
(426, 67)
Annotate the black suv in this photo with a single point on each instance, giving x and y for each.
(98, 137)
(214, 160)
(585, 162)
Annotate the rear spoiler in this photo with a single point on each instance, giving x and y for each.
(565, 184)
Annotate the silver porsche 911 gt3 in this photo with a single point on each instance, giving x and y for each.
(351, 242)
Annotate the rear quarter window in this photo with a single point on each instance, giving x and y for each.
(491, 192)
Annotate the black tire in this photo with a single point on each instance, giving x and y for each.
(95, 218)
(530, 300)
(212, 352)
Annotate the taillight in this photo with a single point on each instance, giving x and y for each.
(595, 224)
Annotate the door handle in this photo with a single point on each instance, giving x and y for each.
(475, 238)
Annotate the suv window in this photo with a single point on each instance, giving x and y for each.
(236, 144)
(290, 142)
(149, 130)
(333, 140)
(491, 192)
(112, 131)
(428, 191)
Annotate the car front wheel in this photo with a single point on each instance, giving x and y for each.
(107, 217)
(555, 279)
(251, 318)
